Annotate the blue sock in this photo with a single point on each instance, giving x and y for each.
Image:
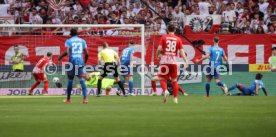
(123, 82)
(207, 87)
(233, 87)
(69, 88)
(83, 86)
(130, 85)
(220, 84)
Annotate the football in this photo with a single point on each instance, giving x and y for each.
(55, 79)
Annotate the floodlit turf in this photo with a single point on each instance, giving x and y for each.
(141, 116)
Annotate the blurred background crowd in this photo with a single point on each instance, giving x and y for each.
(241, 16)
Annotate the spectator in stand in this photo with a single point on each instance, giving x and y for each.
(204, 7)
(263, 6)
(229, 15)
(195, 10)
(257, 11)
(255, 21)
(260, 30)
(212, 10)
(35, 17)
(247, 29)
(179, 17)
(271, 29)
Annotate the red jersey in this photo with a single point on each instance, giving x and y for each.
(171, 44)
(41, 64)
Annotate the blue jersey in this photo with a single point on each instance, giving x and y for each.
(76, 46)
(216, 55)
(126, 55)
(253, 85)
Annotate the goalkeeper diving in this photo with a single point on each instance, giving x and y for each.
(92, 81)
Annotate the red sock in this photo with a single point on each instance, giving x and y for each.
(34, 86)
(175, 89)
(46, 85)
(181, 90)
(153, 85)
(163, 84)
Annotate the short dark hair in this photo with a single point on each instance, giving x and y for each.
(49, 54)
(259, 76)
(274, 48)
(15, 46)
(105, 45)
(73, 32)
(216, 39)
(171, 28)
(131, 42)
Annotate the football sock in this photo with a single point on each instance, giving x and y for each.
(153, 85)
(163, 85)
(46, 85)
(233, 87)
(122, 87)
(118, 88)
(220, 84)
(83, 86)
(181, 90)
(69, 88)
(34, 86)
(99, 86)
(207, 87)
(175, 89)
(130, 85)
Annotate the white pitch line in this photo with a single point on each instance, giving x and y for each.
(36, 96)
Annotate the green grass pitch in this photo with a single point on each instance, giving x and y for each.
(140, 116)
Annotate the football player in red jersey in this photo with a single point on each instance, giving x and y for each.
(167, 50)
(39, 75)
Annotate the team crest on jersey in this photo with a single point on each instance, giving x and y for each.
(199, 24)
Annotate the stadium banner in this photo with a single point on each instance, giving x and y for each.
(15, 76)
(259, 68)
(240, 49)
(62, 91)
(183, 78)
(202, 24)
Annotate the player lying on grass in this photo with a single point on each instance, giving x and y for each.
(170, 87)
(252, 90)
(92, 81)
(272, 60)
(39, 75)
(216, 55)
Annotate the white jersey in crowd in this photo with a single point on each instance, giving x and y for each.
(263, 7)
(204, 8)
(179, 17)
(229, 16)
(4, 9)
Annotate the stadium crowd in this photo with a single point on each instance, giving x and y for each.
(242, 16)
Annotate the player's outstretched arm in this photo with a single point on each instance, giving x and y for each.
(203, 58)
(265, 92)
(65, 53)
(117, 58)
(183, 55)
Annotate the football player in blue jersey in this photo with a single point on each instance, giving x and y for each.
(252, 90)
(126, 63)
(216, 56)
(75, 47)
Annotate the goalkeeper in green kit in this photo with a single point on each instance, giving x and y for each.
(92, 81)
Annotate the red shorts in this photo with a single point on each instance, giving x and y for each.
(168, 71)
(39, 76)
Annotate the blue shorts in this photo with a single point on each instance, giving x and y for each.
(76, 71)
(246, 91)
(212, 72)
(125, 70)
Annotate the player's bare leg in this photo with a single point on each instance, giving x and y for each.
(33, 87)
